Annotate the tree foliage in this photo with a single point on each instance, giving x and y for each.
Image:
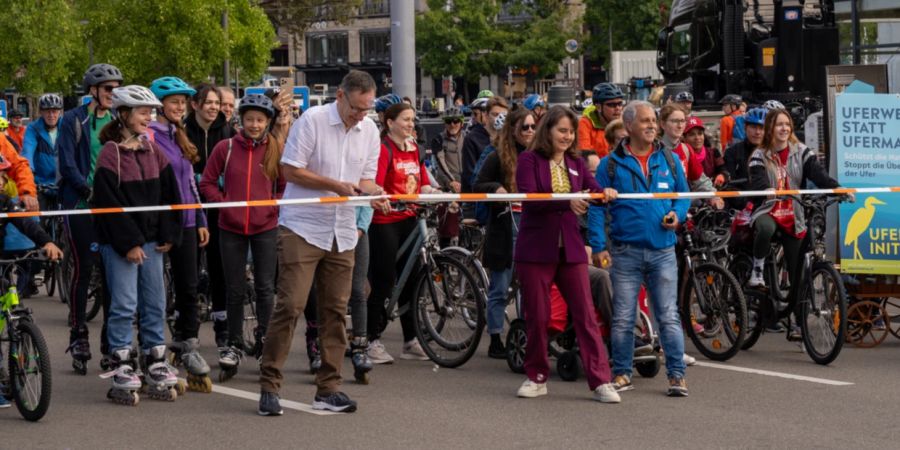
(42, 45)
(297, 16)
(471, 38)
(633, 24)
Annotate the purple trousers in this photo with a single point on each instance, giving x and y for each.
(535, 280)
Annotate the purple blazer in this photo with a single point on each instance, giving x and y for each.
(542, 222)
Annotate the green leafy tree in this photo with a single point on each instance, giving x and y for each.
(297, 16)
(42, 46)
(147, 40)
(627, 24)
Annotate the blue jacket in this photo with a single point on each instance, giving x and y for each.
(40, 153)
(74, 157)
(638, 222)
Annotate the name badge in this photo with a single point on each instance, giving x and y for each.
(662, 185)
(573, 172)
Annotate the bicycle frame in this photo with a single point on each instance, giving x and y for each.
(415, 243)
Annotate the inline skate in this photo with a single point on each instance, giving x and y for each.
(361, 363)
(80, 348)
(229, 361)
(185, 353)
(160, 381)
(125, 382)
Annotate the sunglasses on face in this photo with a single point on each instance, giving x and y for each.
(452, 121)
(108, 88)
(527, 127)
(614, 104)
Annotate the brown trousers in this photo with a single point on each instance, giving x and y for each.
(299, 263)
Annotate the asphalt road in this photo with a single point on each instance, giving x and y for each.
(415, 405)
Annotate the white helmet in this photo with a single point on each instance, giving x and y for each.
(132, 96)
(773, 104)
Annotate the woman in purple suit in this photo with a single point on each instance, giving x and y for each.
(550, 250)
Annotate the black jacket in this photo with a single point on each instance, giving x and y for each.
(206, 140)
(736, 158)
(498, 249)
(477, 139)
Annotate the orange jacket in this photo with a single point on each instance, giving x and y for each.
(592, 132)
(726, 129)
(20, 171)
(16, 135)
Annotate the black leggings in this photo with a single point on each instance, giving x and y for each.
(84, 251)
(213, 267)
(185, 277)
(234, 247)
(765, 230)
(384, 243)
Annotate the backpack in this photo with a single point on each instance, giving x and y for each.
(482, 209)
(738, 133)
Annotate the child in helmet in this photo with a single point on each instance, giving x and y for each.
(248, 166)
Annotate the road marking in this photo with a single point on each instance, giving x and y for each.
(297, 406)
(770, 373)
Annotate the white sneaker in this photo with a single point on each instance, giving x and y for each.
(377, 354)
(413, 351)
(689, 360)
(530, 389)
(606, 393)
(756, 278)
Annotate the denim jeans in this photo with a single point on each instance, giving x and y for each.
(657, 269)
(135, 288)
(497, 295)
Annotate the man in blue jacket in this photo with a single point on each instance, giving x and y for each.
(641, 244)
(39, 146)
(78, 147)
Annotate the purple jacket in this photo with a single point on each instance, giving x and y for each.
(164, 136)
(544, 221)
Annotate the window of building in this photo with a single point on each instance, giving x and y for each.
(375, 46)
(281, 56)
(326, 48)
(375, 8)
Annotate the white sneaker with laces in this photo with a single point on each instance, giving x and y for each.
(606, 393)
(413, 351)
(689, 360)
(530, 389)
(756, 278)
(377, 354)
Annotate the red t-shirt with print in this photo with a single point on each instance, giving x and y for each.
(399, 172)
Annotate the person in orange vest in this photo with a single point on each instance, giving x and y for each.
(731, 106)
(16, 130)
(608, 104)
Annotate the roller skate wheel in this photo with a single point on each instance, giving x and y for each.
(180, 387)
(199, 383)
(362, 378)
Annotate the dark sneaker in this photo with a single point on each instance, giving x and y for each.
(496, 349)
(337, 402)
(677, 387)
(269, 404)
(622, 383)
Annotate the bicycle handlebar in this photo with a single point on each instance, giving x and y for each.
(37, 254)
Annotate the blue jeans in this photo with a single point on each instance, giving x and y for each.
(135, 289)
(497, 294)
(657, 269)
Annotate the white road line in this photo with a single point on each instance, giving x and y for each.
(770, 373)
(297, 406)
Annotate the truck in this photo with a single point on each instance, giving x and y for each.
(759, 49)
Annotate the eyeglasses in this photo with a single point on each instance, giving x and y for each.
(527, 127)
(614, 104)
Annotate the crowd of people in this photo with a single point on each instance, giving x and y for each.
(173, 143)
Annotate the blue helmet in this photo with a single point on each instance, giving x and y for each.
(606, 91)
(533, 101)
(755, 116)
(386, 101)
(166, 86)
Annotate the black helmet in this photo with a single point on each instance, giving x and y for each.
(99, 73)
(50, 101)
(731, 99)
(605, 91)
(684, 96)
(258, 102)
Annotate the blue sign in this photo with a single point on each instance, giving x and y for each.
(255, 90)
(302, 92)
(868, 155)
(3, 108)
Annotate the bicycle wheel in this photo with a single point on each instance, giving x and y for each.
(823, 314)
(67, 271)
(250, 319)
(95, 293)
(446, 298)
(475, 268)
(51, 274)
(29, 371)
(754, 300)
(717, 325)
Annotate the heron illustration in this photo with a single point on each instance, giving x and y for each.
(859, 223)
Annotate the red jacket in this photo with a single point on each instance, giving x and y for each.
(242, 179)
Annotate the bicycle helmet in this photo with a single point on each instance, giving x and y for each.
(3, 124)
(133, 96)
(694, 122)
(479, 104)
(15, 113)
(99, 73)
(452, 113)
(755, 116)
(386, 101)
(50, 101)
(499, 121)
(257, 102)
(684, 96)
(485, 93)
(773, 104)
(731, 99)
(533, 101)
(605, 91)
(166, 86)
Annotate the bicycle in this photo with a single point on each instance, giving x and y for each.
(28, 380)
(53, 277)
(822, 306)
(713, 307)
(448, 306)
